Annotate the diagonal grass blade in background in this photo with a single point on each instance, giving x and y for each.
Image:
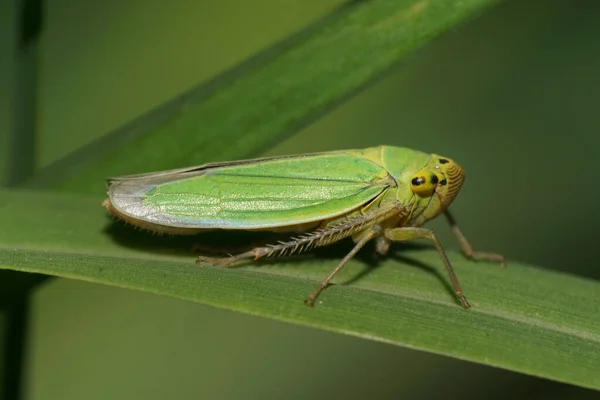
(278, 93)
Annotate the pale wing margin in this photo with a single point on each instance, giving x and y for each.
(268, 193)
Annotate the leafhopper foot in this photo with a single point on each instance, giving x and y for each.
(484, 256)
(466, 246)
(224, 261)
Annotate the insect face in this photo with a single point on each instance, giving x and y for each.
(441, 176)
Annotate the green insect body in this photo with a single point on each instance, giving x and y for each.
(384, 193)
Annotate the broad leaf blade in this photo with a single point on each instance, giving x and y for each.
(523, 318)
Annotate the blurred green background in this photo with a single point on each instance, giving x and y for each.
(512, 96)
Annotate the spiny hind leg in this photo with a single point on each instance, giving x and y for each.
(295, 245)
(258, 249)
(466, 246)
(411, 233)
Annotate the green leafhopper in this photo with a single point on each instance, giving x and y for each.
(384, 193)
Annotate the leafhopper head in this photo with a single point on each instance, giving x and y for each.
(435, 187)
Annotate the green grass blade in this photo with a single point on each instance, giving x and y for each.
(248, 111)
(523, 318)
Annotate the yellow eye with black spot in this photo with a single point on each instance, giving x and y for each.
(424, 183)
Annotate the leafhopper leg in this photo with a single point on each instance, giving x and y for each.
(226, 261)
(366, 225)
(229, 249)
(404, 234)
(310, 300)
(466, 246)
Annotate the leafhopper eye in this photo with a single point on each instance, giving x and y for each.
(423, 184)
